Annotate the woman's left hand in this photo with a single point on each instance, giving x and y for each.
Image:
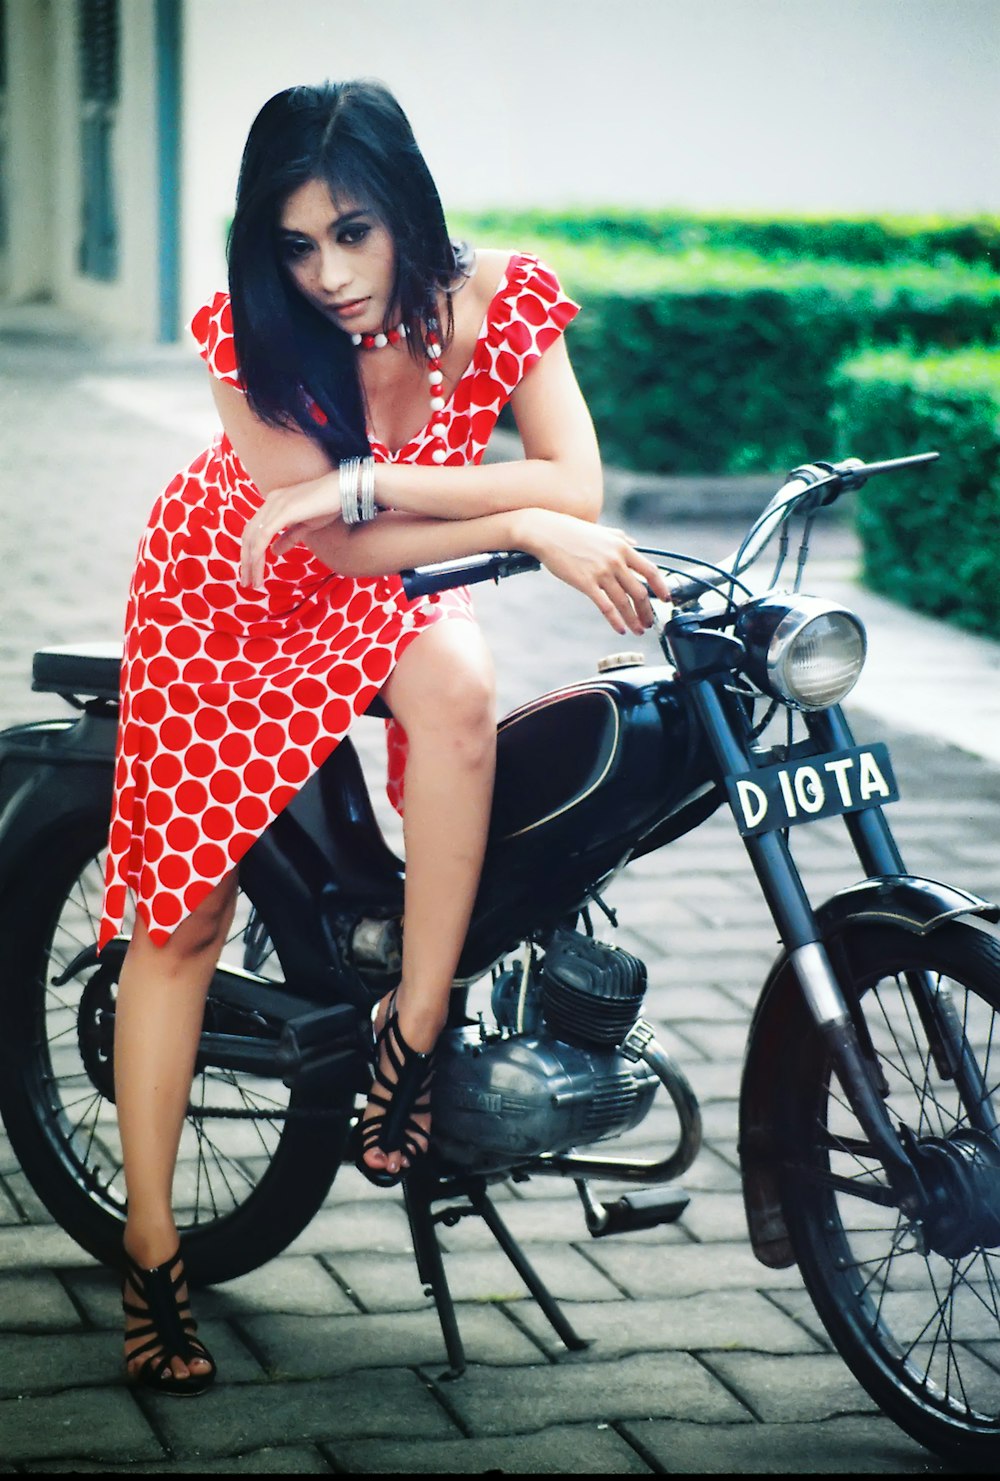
(284, 519)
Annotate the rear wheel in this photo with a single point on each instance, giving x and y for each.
(912, 1304)
(256, 1162)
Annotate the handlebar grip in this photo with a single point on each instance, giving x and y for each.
(467, 571)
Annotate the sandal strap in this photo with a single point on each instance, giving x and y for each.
(169, 1324)
(392, 1126)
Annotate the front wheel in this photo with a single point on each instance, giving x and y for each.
(255, 1163)
(911, 1301)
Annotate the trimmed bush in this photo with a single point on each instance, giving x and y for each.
(930, 540)
(877, 239)
(721, 362)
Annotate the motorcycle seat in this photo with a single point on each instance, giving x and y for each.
(87, 670)
(91, 670)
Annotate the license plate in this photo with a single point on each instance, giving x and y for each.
(817, 787)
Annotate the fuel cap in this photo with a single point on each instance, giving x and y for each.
(619, 661)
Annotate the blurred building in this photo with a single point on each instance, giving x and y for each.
(122, 121)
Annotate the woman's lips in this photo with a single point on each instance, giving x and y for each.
(349, 310)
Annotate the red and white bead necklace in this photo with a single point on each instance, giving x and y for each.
(432, 342)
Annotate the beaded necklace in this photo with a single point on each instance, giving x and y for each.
(432, 342)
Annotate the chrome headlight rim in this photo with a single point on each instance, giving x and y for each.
(773, 625)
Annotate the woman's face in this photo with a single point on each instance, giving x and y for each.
(339, 255)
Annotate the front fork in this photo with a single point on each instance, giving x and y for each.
(793, 914)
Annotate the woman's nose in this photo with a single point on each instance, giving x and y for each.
(335, 271)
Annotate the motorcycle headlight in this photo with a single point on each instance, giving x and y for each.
(804, 650)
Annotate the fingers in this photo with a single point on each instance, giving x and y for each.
(257, 536)
(285, 510)
(625, 589)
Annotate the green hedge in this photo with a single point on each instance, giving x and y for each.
(713, 361)
(930, 540)
(878, 239)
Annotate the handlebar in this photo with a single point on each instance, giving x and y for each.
(806, 490)
(467, 571)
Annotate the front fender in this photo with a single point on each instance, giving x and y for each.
(781, 1017)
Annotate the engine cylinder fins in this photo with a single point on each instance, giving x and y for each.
(592, 994)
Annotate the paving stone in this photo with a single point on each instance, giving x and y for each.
(390, 1282)
(725, 1041)
(35, 1301)
(102, 1424)
(685, 1270)
(716, 1216)
(233, 1419)
(354, 1226)
(289, 1284)
(41, 1363)
(9, 1211)
(31, 1208)
(286, 1284)
(32, 1247)
(746, 1319)
(661, 1385)
(36, 1364)
(284, 1460)
(806, 1387)
(715, 1080)
(839, 1447)
(562, 1450)
(720, 1125)
(319, 1347)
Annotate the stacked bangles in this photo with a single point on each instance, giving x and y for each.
(357, 490)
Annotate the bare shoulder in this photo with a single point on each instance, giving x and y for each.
(489, 266)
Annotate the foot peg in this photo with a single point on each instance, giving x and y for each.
(643, 1209)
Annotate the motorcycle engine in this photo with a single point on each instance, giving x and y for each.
(552, 1077)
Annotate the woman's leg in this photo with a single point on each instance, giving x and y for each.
(442, 693)
(158, 1018)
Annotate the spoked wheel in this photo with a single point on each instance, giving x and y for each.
(255, 1161)
(911, 1303)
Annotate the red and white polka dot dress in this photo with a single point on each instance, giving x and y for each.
(231, 697)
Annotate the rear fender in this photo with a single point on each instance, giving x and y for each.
(781, 1018)
(53, 776)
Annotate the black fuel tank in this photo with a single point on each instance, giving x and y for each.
(583, 772)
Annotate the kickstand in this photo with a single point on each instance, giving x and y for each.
(421, 1192)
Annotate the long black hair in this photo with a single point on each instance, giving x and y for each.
(355, 138)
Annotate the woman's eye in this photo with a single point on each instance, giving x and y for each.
(352, 235)
(294, 248)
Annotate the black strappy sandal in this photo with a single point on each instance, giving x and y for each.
(168, 1331)
(393, 1127)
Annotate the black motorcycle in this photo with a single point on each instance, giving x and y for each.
(869, 1138)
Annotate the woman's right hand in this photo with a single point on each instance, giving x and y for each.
(600, 562)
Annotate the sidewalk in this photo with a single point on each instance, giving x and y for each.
(703, 1361)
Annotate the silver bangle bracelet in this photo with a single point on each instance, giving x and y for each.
(349, 509)
(367, 499)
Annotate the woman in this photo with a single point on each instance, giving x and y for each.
(358, 368)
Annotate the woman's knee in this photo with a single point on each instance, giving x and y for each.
(447, 686)
(206, 928)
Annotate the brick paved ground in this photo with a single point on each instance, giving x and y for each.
(702, 1361)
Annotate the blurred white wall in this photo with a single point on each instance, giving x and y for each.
(846, 106)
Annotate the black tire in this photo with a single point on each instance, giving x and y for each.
(246, 1186)
(920, 1331)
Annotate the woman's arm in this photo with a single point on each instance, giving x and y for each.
(601, 563)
